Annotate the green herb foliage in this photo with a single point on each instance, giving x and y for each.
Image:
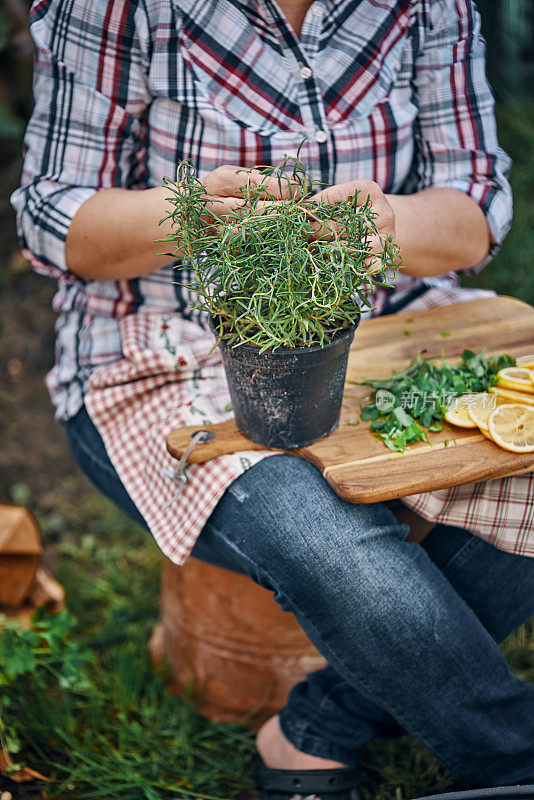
(263, 274)
(402, 408)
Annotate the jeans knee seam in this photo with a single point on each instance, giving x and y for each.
(235, 548)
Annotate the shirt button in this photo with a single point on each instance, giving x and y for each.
(321, 136)
(305, 72)
(317, 11)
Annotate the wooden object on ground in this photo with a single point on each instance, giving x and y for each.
(20, 554)
(24, 584)
(22, 775)
(225, 636)
(357, 466)
(44, 591)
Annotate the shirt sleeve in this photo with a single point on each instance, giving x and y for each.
(456, 142)
(87, 129)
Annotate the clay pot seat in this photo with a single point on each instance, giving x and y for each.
(225, 636)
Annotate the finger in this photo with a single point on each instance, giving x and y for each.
(226, 180)
(376, 245)
(222, 206)
(342, 191)
(231, 181)
(373, 247)
(277, 187)
(283, 187)
(238, 207)
(376, 250)
(323, 229)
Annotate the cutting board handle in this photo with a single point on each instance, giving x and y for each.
(228, 439)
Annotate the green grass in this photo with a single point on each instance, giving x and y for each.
(116, 732)
(108, 727)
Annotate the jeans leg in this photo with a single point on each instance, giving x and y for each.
(347, 710)
(498, 587)
(386, 618)
(91, 456)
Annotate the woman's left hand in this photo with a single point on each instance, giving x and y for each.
(385, 221)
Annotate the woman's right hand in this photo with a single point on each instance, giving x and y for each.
(112, 235)
(227, 185)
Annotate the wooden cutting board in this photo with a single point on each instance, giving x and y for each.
(360, 468)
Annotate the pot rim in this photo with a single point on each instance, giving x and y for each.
(282, 351)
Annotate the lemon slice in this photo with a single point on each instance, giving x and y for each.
(525, 361)
(481, 408)
(515, 378)
(457, 412)
(512, 396)
(512, 427)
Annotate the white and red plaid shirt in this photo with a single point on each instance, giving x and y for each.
(394, 91)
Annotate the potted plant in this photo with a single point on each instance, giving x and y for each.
(283, 285)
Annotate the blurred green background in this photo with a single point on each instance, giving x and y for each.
(113, 731)
(508, 27)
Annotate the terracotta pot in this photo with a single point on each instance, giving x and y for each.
(228, 638)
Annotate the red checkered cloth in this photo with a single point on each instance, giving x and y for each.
(168, 378)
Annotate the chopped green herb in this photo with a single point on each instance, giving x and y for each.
(407, 333)
(418, 397)
(445, 334)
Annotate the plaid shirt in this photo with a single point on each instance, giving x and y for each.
(393, 90)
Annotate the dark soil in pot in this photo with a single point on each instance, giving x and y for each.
(287, 398)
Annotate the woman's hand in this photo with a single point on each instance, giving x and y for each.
(385, 221)
(228, 187)
(112, 236)
(437, 229)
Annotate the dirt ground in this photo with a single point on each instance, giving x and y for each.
(36, 468)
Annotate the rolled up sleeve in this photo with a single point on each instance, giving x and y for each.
(456, 143)
(87, 128)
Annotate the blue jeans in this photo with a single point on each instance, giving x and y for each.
(409, 631)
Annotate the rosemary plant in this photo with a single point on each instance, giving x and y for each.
(291, 274)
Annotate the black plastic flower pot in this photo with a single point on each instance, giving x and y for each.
(287, 398)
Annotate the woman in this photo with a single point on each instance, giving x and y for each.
(392, 99)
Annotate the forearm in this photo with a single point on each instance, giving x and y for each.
(439, 230)
(112, 235)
